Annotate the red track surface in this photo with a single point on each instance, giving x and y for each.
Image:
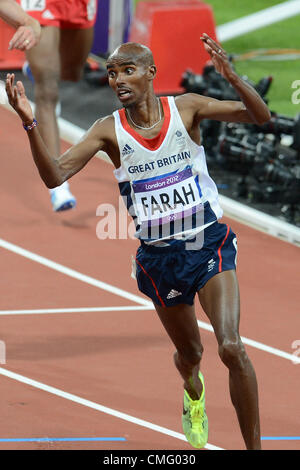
(123, 359)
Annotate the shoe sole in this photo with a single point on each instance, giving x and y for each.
(66, 206)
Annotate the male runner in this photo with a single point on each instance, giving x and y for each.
(160, 166)
(28, 29)
(66, 40)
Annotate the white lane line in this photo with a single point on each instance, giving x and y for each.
(97, 406)
(259, 19)
(72, 273)
(257, 345)
(46, 311)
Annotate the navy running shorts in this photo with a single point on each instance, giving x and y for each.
(172, 275)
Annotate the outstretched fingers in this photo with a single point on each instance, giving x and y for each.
(218, 56)
(14, 91)
(21, 89)
(17, 98)
(9, 86)
(11, 90)
(212, 47)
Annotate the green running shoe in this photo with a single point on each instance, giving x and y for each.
(194, 419)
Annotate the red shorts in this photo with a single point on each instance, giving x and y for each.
(65, 14)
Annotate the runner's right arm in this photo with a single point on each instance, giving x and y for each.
(54, 171)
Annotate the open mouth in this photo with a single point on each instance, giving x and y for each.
(124, 94)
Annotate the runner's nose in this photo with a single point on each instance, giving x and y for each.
(120, 79)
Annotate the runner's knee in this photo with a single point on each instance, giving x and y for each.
(232, 353)
(190, 356)
(47, 90)
(72, 74)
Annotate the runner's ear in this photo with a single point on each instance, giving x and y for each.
(151, 72)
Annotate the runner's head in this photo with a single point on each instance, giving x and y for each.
(131, 71)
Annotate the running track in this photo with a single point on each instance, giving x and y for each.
(110, 373)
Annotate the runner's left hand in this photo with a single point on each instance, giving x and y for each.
(218, 56)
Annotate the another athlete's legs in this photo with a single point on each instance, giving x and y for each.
(44, 62)
(60, 55)
(75, 46)
(220, 301)
(181, 325)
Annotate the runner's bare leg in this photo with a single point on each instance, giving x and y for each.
(220, 301)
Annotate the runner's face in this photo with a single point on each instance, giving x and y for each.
(128, 79)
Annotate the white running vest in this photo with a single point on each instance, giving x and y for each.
(164, 181)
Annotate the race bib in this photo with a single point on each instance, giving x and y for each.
(91, 9)
(168, 204)
(33, 5)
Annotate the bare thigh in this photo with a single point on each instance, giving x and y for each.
(75, 45)
(44, 59)
(220, 301)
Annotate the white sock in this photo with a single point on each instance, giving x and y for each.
(58, 109)
(65, 186)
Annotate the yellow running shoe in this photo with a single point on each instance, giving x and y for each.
(194, 419)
